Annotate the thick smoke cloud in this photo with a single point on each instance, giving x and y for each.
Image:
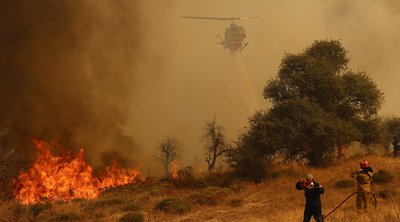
(69, 70)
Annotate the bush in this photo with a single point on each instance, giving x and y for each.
(173, 206)
(220, 179)
(235, 202)
(132, 217)
(201, 199)
(36, 209)
(209, 196)
(107, 203)
(131, 207)
(385, 194)
(93, 205)
(248, 164)
(217, 191)
(345, 183)
(67, 217)
(189, 182)
(382, 176)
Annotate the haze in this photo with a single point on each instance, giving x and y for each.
(172, 77)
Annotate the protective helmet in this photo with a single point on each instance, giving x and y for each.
(364, 164)
(309, 177)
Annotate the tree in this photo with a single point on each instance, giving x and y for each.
(317, 104)
(390, 128)
(169, 151)
(215, 143)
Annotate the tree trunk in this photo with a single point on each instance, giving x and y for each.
(315, 158)
(214, 159)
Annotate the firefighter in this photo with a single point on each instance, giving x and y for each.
(312, 192)
(363, 177)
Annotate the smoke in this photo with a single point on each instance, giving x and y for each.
(116, 77)
(69, 70)
(201, 79)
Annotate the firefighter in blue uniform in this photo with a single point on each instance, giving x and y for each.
(312, 192)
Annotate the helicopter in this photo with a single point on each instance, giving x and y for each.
(234, 34)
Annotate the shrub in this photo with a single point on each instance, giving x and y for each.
(345, 183)
(36, 209)
(131, 207)
(217, 191)
(132, 217)
(220, 179)
(382, 176)
(248, 164)
(107, 203)
(92, 205)
(235, 202)
(386, 194)
(17, 210)
(189, 182)
(173, 206)
(201, 199)
(67, 217)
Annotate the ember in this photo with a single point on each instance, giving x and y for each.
(66, 177)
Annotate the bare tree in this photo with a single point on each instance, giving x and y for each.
(170, 149)
(215, 143)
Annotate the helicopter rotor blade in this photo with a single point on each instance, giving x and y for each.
(222, 18)
(250, 17)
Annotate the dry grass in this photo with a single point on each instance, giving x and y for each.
(274, 199)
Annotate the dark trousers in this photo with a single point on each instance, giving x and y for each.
(313, 211)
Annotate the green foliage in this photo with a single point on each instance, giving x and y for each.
(36, 209)
(132, 217)
(247, 162)
(382, 176)
(390, 128)
(345, 183)
(317, 103)
(173, 206)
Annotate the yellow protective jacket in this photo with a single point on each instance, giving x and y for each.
(363, 181)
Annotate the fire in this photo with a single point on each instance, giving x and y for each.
(117, 176)
(66, 177)
(175, 169)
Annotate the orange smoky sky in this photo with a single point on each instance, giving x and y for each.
(119, 77)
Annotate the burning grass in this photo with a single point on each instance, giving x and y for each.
(275, 199)
(66, 177)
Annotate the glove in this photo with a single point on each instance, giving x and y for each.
(310, 186)
(303, 183)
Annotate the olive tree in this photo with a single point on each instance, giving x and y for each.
(317, 104)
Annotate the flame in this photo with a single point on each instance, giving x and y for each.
(175, 169)
(117, 176)
(66, 177)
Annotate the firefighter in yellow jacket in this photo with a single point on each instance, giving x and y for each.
(363, 177)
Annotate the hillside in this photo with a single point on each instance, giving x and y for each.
(275, 199)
